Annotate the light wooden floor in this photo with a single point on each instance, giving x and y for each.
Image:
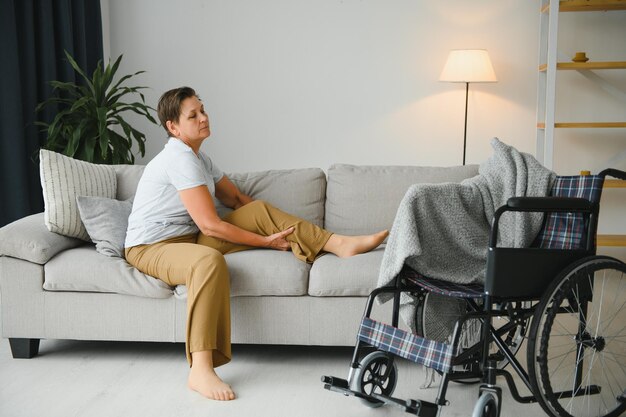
(72, 378)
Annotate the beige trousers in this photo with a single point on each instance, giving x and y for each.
(197, 261)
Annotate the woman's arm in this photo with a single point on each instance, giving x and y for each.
(199, 204)
(229, 194)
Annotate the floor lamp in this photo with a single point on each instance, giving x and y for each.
(468, 66)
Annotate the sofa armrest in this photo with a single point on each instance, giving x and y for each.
(29, 239)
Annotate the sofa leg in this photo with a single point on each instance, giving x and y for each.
(24, 348)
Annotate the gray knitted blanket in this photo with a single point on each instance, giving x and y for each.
(442, 230)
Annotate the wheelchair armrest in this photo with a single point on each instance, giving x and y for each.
(546, 204)
(540, 204)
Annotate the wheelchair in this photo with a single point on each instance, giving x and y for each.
(564, 303)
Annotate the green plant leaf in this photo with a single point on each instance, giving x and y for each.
(103, 141)
(78, 70)
(124, 78)
(97, 83)
(109, 73)
(102, 119)
(69, 88)
(79, 104)
(85, 114)
(116, 88)
(72, 145)
(90, 148)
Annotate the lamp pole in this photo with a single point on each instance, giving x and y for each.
(465, 128)
(468, 66)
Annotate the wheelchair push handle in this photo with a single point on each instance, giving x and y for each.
(612, 172)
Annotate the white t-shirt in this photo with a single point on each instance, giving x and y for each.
(158, 212)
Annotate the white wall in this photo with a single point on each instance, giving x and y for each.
(299, 83)
(307, 83)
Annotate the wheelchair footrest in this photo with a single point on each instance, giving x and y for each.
(416, 407)
(429, 353)
(332, 383)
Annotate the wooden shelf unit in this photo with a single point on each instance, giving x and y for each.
(614, 184)
(549, 67)
(611, 240)
(599, 65)
(546, 103)
(588, 5)
(583, 125)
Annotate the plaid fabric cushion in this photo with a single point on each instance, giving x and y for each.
(387, 338)
(566, 230)
(447, 288)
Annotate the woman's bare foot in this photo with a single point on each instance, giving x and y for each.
(347, 246)
(203, 379)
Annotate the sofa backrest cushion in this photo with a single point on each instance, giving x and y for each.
(299, 192)
(127, 180)
(364, 199)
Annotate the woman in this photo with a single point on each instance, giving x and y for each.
(175, 234)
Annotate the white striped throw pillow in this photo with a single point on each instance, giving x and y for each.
(62, 180)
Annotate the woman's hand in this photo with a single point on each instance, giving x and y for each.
(229, 194)
(277, 240)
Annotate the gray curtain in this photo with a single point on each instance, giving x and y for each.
(33, 36)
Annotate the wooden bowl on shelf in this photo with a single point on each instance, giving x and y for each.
(580, 57)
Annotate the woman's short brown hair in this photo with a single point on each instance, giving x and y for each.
(169, 105)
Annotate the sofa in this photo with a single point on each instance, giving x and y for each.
(59, 287)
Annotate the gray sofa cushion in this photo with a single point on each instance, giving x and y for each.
(300, 192)
(336, 277)
(259, 272)
(364, 199)
(127, 180)
(252, 273)
(84, 269)
(266, 272)
(29, 239)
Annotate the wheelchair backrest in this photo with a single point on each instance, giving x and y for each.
(525, 273)
(568, 230)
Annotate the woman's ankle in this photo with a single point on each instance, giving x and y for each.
(204, 379)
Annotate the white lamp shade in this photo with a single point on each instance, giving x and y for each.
(468, 66)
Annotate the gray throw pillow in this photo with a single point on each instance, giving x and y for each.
(106, 221)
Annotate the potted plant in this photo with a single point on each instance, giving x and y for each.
(89, 124)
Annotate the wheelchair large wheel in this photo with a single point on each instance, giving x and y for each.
(377, 374)
(577, 344)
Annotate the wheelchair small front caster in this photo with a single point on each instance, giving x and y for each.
(377, 374)
(486, 406)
